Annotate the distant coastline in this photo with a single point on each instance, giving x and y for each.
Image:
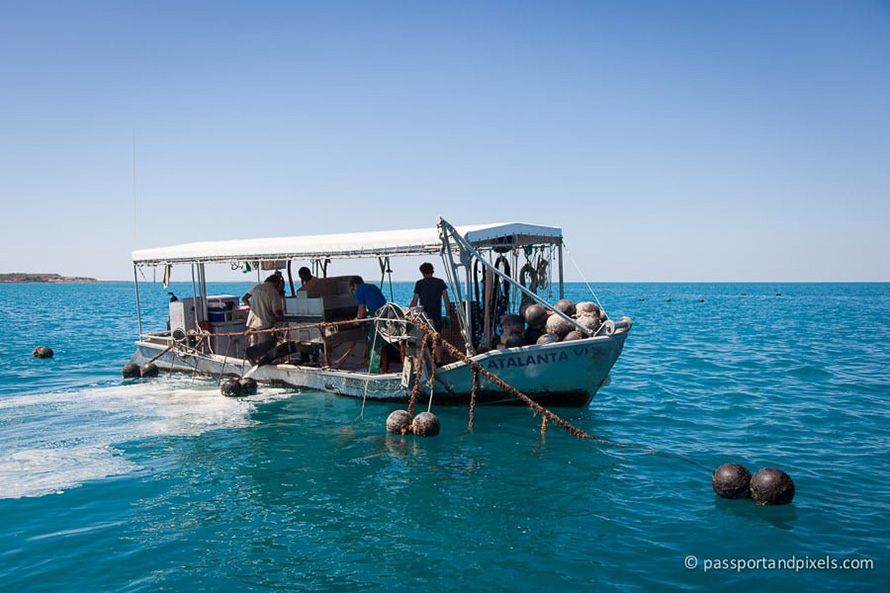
(53, 278)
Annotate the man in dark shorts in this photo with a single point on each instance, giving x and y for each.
(431, 291)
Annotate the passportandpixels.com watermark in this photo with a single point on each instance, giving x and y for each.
(794, 563)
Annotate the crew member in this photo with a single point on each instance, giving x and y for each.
(306, 278)
(369, 298)
(431, 292)
(266, 307)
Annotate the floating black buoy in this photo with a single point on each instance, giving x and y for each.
(425, 424)
(640, 299)
(778, 294)
(771, 486)
(149, 370)
(399, 422)
(42, 352)
(731, 480)
(667, 300)
(131, 370)
(248, 386)
(230, 388)
(701, 300)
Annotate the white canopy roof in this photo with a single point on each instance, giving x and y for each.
(372, 244)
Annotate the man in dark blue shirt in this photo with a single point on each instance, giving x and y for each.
(431, 291)
(369, 298)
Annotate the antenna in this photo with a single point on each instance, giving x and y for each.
(135, 212)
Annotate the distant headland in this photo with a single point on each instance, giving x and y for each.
(56, 278)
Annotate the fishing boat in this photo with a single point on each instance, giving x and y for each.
(495, 274)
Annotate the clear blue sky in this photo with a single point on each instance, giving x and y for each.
(677, 141)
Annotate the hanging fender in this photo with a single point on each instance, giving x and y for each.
(543, 268)
(528, 272)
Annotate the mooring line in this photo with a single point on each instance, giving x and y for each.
(535, 406)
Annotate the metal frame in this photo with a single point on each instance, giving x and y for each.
(468, 248)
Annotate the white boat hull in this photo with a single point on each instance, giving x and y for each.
(564, 373)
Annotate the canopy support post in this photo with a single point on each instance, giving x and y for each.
(561, 289)
(138, 304)
(195, 296)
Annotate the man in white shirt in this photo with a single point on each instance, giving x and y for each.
(266, 307)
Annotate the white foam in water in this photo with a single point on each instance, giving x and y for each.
(51, 442)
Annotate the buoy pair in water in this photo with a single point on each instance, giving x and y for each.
(769, 486)
(132, 370)
(238, 387)
(425, 424)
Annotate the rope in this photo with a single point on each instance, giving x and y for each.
(163, 352)
(368, 376)
(418, 368)
(345, 356)
(538, 408)
(432, 377)
(507, 388)
(222, 371)
(473, 399)
(584, 278)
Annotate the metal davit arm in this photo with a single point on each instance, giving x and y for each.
(463, 316)
(465, 246)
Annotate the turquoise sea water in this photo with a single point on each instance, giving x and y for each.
(108, 485)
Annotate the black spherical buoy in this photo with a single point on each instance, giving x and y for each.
(559, 326)
(248, 386)
(425, 424)
(771, 486)
(565, 306)
(513, 340)
(587, 307)
(230, 388)
(42, 352)
(149, 370)
(547, 338)
(512, 324)
(531, 335)
(591, 322)
(399, 422)
(535, 316)
(131, 370)
(731, 480)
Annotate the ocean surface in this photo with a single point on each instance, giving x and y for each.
(164, 485)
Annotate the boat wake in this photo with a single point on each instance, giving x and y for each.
(54, 441)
